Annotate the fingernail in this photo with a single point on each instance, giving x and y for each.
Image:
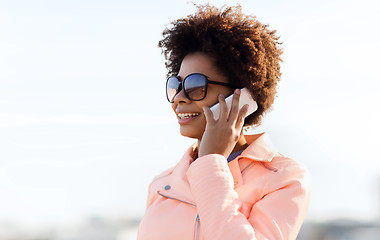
(237, 91)
(221, 95)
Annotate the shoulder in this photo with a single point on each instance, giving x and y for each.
(278, 173)
(289, 167)
(163, 174)
(290, 174)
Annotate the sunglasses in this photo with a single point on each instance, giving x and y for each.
(194, 86)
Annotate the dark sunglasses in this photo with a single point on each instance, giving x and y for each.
(194, 86)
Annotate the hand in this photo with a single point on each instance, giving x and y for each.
(220, 136)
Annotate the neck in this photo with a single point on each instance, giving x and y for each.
(240, 145)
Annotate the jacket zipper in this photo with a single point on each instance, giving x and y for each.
(268, 167)
(197, 227)
(197, 219)
(159, 193)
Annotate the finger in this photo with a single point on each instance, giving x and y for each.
(208, 114)
(234, 106)
(240, 120)
(223, 115)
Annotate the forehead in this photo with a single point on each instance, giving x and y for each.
(200, 63)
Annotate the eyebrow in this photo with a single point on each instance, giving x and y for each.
(179, 78)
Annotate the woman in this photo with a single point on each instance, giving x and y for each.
(227, 185)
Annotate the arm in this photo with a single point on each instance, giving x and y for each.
(278, 215)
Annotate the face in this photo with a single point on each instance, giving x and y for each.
(190, 113)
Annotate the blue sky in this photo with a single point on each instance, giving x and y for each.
(82, 96)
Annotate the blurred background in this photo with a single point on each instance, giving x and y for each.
(82, 97)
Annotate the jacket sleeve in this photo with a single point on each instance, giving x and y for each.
(277, 215)
(151, 197)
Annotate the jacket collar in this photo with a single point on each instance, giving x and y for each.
(260, 149)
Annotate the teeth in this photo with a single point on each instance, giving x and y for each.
(187, 115)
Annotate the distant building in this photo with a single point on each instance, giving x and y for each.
(342, 229)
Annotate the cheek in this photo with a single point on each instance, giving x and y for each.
(200, 127)
(212, 96)
(208, 102)
(174, 106)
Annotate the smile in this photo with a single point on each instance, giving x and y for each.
(187, 115)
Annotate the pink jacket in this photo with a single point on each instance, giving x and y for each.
(259, 195)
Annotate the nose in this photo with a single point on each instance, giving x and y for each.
(181, 97)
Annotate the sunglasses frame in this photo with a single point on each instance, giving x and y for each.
(181, 84)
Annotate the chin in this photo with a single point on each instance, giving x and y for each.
(190, 133)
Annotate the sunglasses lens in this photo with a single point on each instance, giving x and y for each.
(172, 85)
(195, 86)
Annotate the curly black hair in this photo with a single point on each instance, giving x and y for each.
(244, 49)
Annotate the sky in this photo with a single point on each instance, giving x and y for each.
(85, 125)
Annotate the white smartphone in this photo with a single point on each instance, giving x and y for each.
(245, 98)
